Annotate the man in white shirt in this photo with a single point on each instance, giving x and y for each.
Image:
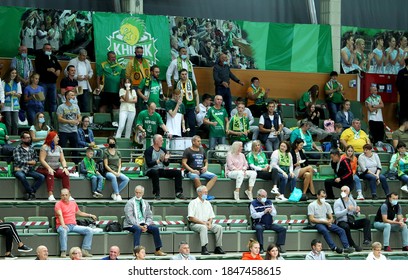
(181, 62)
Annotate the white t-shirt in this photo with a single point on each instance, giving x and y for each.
(262, 121)
(127, 106)
(82, 71)
(376, 115)
(201, 210)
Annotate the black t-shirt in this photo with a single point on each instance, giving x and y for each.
(86, 133)
(67, 82)
(195, 159)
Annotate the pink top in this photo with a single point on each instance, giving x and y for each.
(236, 162)
(68, 212)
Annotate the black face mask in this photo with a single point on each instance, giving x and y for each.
(112, 145)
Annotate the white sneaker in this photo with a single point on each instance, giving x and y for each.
(236, 196)
(404, 188)
(249, 195)
(275, 191)
(281, 198)
(118, 197)
(71, 198)
(51, 198)
(113, 196)
(360, 196)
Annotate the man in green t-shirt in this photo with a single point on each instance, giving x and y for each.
(150, 88)
(217, 120)
(334, 95)
(147, 123)
(109, 73)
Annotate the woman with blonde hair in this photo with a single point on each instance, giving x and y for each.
(237, 168)
(253, 254)
(75, 254)
(376, 255)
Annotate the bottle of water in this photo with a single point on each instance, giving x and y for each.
(222, 173)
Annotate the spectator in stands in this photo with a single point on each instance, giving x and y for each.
(256, 96)
(86, 137)
(270, 127)
(335, 137)
(402, 86)
(127, 112)
(33, 93)
(343, 174)
(379, 55)
(75, 254)
(272, 253)
(354, 166)
(345, 207)
(401, 134)
(23, 65)
(254, 129)
(303, 133)
(307, 99)
(69, 82)
(239, 125)
(184, 253)
(348, 55)
(389, 218)
(9, 231)
(176, 67)
(314, 119)
(354, 136)
(376, 254)
(42, 253)
(148, 121)
(369, 168)
(114, 253)
(262, 212)
(51, 157)
(195, 164)
(392, 57)
(320, 216)
(138, 219)
(281, 160)
(236, 168)
(112, 162)
(345, 116)
(25, 158)
(139, 252)
(156, 159)
(317, 253)
(200, 216)
(217, 119)
(89, 168)
(175, 122)
(204, 106)
(48, 67)
(109, 75)
(150, 89)
(257, 161)
(375, 117)
(83, 75)
(10, 99)
(363, 60)
(399, 163)
(334, 95)
(254, 249)
(65, 212)
(222, 75)
(301, 167)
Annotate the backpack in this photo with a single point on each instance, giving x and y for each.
(113, 227)
(85, 222)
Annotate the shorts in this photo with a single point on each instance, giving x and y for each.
(109, 98)
(206, 175)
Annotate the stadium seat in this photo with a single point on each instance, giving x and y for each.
(178, 225)
(41, 224)
(223, 224)
(16, 220)
(287, 107)
(244, 225)
(103, 221)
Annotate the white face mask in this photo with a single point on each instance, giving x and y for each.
(322, 200)
(138, 198)
(343, 194)
(127, 85)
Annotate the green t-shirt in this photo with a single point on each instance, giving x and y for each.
(217, 115)
(149, 123)
(192, 103)
(171, 104)
(336, 97)
(239, 124)
(3, 133)
(258, 159)
(303, 100)
(111, 73)
(155, 90)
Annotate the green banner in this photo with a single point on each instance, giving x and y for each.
(121, 33)
(10, 19)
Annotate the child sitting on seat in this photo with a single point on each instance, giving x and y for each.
(89, 168)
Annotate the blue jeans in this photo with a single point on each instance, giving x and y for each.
(272, 144)
(357, 183)
(63, 236)
(280, 230)
(117, 188)
(32, 110)
(403, 178)
(206, 175)
(97, 182)
(283, 181)
(38, 180)
(152, 229)
(333, 108)
(216, 140)
(325, 231)
(386, 228)
(373, 184)
(190, 119)
(50, 92)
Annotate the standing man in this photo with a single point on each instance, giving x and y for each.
(334, 95)
(195, 164)
(69, 82)
(184, 253)
(345, 207)
(114, 253)
(389, 218)
(25, 158)
(175, 109)
(138, 219)
(343, 174)
(109, 75)
(204, 106)
(176, 65)
(49, 69)
(137, 70)
(320, 215)
(374, 104)
(156, 158)
(83, 75)
(317, 253)
(217, 120)
(23, 65)
(150, 89)
(262, 213)
(402, 86)
(66, 211)
(148, 121)
(200, 215)
(222, 75)
(189, 95)
(256, 96)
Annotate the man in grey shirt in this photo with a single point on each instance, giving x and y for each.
(317, 253)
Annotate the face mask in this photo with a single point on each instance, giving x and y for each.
(48, 53)
(112, 145)
(394, 202)
(323, 200)
(225, 62)
(73, 101)
(204, 196)
(184, 256)
(139, 56)
(41, 120)
(127, 85)
(138, 198)
(183, 56)
(263, 199)
(24, 55)
(343, 194)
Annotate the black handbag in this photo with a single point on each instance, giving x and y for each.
(351, 219)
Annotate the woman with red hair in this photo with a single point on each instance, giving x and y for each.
(51, 159)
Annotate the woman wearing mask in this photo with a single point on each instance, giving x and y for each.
(128, 99)
(32, 95)
(399, 163)
(10, 100)
(39, 130)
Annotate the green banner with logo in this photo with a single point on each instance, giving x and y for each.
(10, 20)
(121, 33)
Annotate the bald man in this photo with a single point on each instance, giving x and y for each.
(42, 253)
(114, 253)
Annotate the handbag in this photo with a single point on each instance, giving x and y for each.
(296, 195)
(351, 219)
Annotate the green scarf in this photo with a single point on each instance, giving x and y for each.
(284, 161)
(356, 133)
(189, 67)
(136, 66)
(89, 166)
